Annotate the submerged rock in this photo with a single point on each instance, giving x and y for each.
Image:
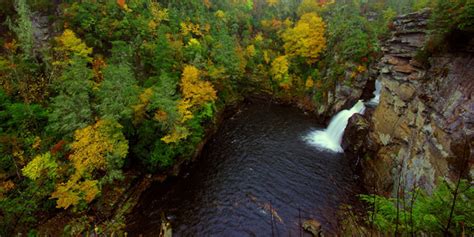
(313, 227)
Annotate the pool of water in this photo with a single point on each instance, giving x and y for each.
(255, 177)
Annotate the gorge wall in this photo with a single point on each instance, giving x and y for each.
(345, 95)
(423, 127)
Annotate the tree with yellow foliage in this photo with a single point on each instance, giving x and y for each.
(69, 46)
(40, 165)
(196, 93)
(73, 191)
(309, 84)
(272, 3)
(306, 39)
(250, 50)
(220, 14)
(188, 28)
(159, 14)
(279, 71)
(98, 147)
(178, 133)
(195, 90)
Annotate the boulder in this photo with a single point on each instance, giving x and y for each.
(313, 227)
(355, 134)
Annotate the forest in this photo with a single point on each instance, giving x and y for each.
(97, 94)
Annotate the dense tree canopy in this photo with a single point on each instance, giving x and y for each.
(132, 85)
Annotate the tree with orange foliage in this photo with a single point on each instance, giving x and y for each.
(121, 3)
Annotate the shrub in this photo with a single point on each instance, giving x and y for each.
(425, 214)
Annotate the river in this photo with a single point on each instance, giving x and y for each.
(255, 177)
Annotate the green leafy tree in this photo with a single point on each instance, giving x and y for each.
(224, 54)
(21, 117)
(23, 28)
(453, 15)
(71, 108)
(120, 82)
(349, 34)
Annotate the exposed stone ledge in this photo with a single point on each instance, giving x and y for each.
(424, 116)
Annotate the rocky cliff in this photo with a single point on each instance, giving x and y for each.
(345, 95)
(423, 127)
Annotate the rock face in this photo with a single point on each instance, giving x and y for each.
(355, 135)
(347, 94)
(41, 32)
(423, 127)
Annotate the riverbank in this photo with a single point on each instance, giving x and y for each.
(136, 180)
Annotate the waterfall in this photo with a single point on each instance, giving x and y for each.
(376, 99)
(331, 137)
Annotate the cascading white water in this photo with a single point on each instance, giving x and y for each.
(331, 137)
(376, 99)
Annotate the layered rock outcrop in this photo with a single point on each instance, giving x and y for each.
(423, 127)
(346, 94)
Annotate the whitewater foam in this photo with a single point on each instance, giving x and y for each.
(331, 137)
(376, 99)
